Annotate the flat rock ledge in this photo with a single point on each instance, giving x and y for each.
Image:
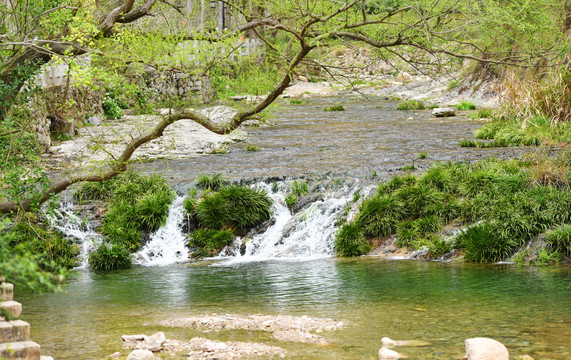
(300, 337)
(201, 348)
(256, 322)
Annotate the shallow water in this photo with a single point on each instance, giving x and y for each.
(369, 136)
(528, 309)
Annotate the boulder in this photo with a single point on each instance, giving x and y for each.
(94, 120)
(385, 353)
(140, 355)
(154, 342)
(443, 112)
(485, 349)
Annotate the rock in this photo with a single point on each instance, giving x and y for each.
(443, 112)
(115, 355)
(132, 340)
(525, 357)
(154, 342)
(300, 337)
(385, 353)
(212, 349)
(140, 355)
(485, 349)
(388, 342)
(94, 120)
(302, 78)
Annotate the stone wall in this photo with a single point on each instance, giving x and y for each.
(174, 86)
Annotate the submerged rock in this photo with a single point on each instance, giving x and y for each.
(444, 112)
(485, 349)
(388, 342)
(202, 348)
(140, 355)
(385, 353)
(152, 343)
(300, 337)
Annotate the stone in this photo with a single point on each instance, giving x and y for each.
(132, 340)
(300, 337)
(115, 355)
(23, 350)
(43, 357)
(302, 78)
(525, 357)
(14, 308)
(14, 331)
(443, 112)
(6, 292)
(388, 342)
(385, 353)
(155, 342)
(140, 355)
(94, 120)
(485, 349)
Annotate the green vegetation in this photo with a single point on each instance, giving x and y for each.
(501, 204)
(335, 108)
(482, 114)
(251, 147)
(110, 108)
(212, 183)
(217, 214)
(295, 101)
(411, 105)
(350, 241)
(466, 105)
(113, 257)
(135, 204)
(422, 155)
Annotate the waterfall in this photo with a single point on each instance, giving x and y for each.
(168, 244)
(68, 223)
(306, 235)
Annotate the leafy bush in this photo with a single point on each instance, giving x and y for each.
(379, 215)
(560, 239)
(350, 241)
(411, 105)
(153, 207)
(482, 244)
(234, 206)
(466, 105)
(107, 258)
(438, 247)
(111, 109)
(207, 242)
(213, 182)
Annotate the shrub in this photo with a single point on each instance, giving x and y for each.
(406, 234)
(380, 215)
(466, 105)
(560, 239)
(335, 108)
(153, 208)
(110, 108)
(482, 244)
(235, 207)
(350, 241)
(438, 247)
(411, 105)
(207, 242)
(107, 258)
(213, 182)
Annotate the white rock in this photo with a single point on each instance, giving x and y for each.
(485, 349)
(214, 346)
(444, 112)
(155, 342)
(94, 120)
(140, 355)
(388, 342)
(385, 353)
(115, 355)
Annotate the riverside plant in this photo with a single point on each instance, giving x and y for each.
(110, 257)
(500, 205)
(411, 105)
(350, 241)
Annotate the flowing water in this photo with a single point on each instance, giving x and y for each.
(287, 268)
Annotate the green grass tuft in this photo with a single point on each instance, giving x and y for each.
(411, 105)
(350, 241)
(107, 258)
(335, 108)
(466, 105)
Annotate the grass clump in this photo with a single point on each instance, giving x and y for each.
(482, 244)
(560, 239)
(295, 101)
(482, 114)
(251, 147)
(466, 105)
(379, 215)
(110, 257)
(207, 242)
(350, 241)
(335, 108)
(213, 182)
(411, 105)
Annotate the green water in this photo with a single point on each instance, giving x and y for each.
(528, 309)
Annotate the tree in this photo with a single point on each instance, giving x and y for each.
(420, 32)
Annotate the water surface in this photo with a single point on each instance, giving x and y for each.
(528, 309)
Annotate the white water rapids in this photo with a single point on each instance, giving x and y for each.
(308, 234)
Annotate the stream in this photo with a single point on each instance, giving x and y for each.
(289, 270)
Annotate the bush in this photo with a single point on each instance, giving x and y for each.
(107, 258)
(212, 183)
(234, 207)
(466, 105)
(411, 105)
(438, 247)
(110, 108)
(153, 208)
(207, 242)
(560, 239)
(350, 241)
(482, 244)
(379, 215)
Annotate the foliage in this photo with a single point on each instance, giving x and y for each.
(335, 108)
(206, 242)
(482, 114)
(295, 101)
(107, 258)
(411, 105)
(251, 147)
(438, 247)
(379, 215)
(350, 241)
(299, 188)
(234, 207)
(482, 245)
(213, 182)
(466, 105)
(111, 109)
(560, 239)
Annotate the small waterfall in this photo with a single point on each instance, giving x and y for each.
(168, 244)
(306, 235)
(68, 223)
